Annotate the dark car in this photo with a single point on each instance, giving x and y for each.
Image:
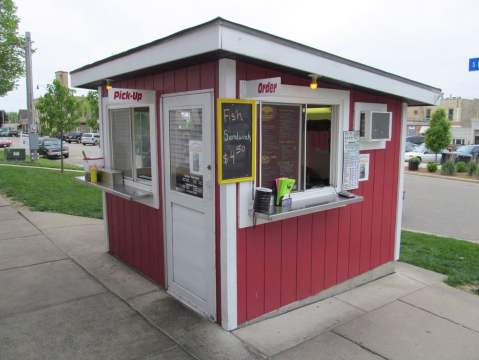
(50, 148)
(13, 132)
(415, 139)
(464, 153)
(74, 136)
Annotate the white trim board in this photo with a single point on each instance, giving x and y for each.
(229, 302)
(221, 35)
(400, 194)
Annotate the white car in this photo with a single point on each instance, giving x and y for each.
(423, 153)
(90, 139)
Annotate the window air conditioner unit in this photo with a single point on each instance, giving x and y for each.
(375, 125)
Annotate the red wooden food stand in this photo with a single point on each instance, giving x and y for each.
(171, 218)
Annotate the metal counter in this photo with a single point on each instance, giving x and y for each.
(279, 213)
(123, 191)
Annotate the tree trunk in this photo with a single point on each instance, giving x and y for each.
(436, 157)
(61, 152)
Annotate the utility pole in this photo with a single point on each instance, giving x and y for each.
(32, 130)
(28, 72)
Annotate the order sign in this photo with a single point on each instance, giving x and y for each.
(236, 140)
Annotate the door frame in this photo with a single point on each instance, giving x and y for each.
(165, 152)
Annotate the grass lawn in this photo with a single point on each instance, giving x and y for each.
(42, 162)
(457, 259)
(47, 190)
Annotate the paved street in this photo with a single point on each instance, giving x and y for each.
(64, 297)
(76, 156)
(441, 206)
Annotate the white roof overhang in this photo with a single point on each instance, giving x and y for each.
(220, 35)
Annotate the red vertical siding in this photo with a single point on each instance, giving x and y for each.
(135, 230)
(289, 234)
(318, 251)
(344, 243)
(255, 256)
(305, 255)
(272, 268)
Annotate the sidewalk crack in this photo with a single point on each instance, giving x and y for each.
(362, 346)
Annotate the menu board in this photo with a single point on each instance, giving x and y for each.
(236, 140)
(280, 142)
(351, 160)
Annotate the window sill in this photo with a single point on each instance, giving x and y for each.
(124, 191)
(332, 203)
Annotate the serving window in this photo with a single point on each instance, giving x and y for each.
(130, 146)
(296, 143)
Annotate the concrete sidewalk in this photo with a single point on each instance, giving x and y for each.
(63, 297)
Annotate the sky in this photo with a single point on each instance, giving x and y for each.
(427, 41)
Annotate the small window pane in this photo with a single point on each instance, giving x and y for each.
(362, 124)
(121, 141)
(318, 146)
(141, 124)
(185, 151)
(280, 143)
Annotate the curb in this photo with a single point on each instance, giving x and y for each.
(472, 181)
(40, 167)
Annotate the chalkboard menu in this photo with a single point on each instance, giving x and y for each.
(236, 140)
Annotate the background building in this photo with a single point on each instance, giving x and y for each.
(462, 113)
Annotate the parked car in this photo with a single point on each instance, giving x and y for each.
(73, 136)
(416, 139)
(50, 148)
(464, 153)
(4, 143)
(410, 146)
(13, 132)
(4, 132)
(90, 139)
(423, 153)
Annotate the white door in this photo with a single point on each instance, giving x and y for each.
(189, 199)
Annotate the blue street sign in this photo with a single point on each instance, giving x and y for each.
(474, 64)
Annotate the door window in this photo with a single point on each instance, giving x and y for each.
(186, 158)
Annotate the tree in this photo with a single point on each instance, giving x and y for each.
(12, 117)
(59, 111)
(92, 101)
(438, 136)
(12, 47)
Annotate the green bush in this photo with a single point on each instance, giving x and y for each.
(460, 166)
(432, 166)
(448, 168)
(471, 168)
(415, 159)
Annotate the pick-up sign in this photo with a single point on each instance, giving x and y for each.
(128, 97)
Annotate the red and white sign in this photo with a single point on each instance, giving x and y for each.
(261, 87)
(129, 97)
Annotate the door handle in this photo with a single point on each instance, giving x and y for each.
(209, 167)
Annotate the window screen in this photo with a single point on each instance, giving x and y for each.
(121, 148)
(141, 131)
(280, 137)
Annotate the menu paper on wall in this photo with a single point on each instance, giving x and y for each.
(351, 160)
